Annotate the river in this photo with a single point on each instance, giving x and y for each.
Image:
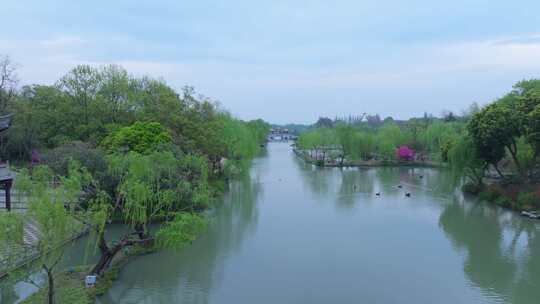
(293, 233)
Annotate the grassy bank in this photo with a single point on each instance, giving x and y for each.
(70, 288)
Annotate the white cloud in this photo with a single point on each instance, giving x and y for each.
(406, 79)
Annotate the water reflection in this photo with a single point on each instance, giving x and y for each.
(184, 278)
(502, 250)
(324, 236)
(353, 185)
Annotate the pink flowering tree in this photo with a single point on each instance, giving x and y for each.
(405, 153)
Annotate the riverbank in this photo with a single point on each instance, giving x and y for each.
(19, 257)
(70, 286)
(335, 231)
(366, 164)
(510, 195)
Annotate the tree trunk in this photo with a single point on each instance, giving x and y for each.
(108, 253)
(498, 171)
(513, 152)
(139, 229)
(50, 288)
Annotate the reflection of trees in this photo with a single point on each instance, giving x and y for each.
(317, 179)
(528, 286)
(429, 181)
(494, 263)
(354, 182)
(190, 273)
(348, 183)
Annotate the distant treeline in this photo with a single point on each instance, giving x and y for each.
(368, 137)
(90, 103)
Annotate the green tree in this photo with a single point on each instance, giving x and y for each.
(528, 107)
(150, 187)
(51, 201)
(8, 82)
(494, 129)
(115, 90)
(141, 137)
(464, 161)
(82, 84)
(346, 137)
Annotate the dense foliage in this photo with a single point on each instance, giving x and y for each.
(495, 148)
(141, 137)
(144, 151)
(107, 106)
(52, 202)
(510, 127)
(362, 141)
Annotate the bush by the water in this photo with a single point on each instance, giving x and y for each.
(528, 201)
(515, 196)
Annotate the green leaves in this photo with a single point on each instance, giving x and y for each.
(157, 183)
(52, 224)
(500, 126)
(141, 137)
(181, 231)
(11, 228)
(492, 129)
(464, 161)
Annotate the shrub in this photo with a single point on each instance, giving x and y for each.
(527, 200)
(488, 195)
(503, 202)
(471, 188)
(88, 156)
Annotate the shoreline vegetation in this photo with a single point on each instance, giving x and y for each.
(104, 146)
(73, 290)
(304, 156)
(493, 150)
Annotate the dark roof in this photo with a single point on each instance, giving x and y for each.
(5, 122)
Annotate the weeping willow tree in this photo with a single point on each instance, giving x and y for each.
(318, 143)
(242, 142)
(465, 163)
(439, 137)
(51, 202)
(157, 186)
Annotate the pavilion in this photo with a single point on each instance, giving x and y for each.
(6, 177)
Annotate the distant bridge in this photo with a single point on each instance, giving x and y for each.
(281, 137)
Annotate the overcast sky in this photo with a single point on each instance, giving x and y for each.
(290, 61)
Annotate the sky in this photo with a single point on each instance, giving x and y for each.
(290, 61)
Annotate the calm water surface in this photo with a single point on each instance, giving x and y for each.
(292, 233)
